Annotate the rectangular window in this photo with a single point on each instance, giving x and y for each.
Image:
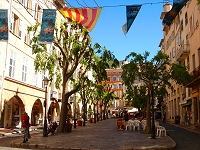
(191, 25)
(12, 22)
(186, 19)
(33, 8)
(181, 27)
(120, 94)
(193, 62)
(43, 76)
(24, 69)
(30, 37)
(188, 63)
(24, 3)
(38, 13)
(113, 78)
(35, 79)
(25, 33)
(173, 52)
(20, 28)
(16, 25)
(12, 64)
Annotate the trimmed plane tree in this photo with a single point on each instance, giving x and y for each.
(73, 43)
(143, 70)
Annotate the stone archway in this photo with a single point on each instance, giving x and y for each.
(37, 113)
(13, 112)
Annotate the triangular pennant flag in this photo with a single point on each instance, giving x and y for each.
(85, 16)
(131, 13)
(124, 28)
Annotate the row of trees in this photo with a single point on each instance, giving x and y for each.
(77, 54)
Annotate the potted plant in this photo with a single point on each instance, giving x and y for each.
(68, 125)
(90, 113)
(80, 121)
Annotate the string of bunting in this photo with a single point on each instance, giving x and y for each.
(84, 16)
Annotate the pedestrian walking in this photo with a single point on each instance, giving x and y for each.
(164, 118)
(25, 125)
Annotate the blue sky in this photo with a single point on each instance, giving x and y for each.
(144, 35)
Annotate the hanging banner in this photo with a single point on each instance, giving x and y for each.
(3, 24)
(48, 24)
(171, 15)
(131, 13)
(85, 16)
(124, 28)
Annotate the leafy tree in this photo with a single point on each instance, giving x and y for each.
(143, 70)
(107, 97)
(73, 43)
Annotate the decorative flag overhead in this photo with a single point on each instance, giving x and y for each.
(48, 24)
(85, 16)
(124, 28)
(131, 13)
(170, 16)
(3, 24)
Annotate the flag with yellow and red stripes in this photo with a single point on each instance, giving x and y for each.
(85, 16)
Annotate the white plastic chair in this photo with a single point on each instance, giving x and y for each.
(143, 123)
(136, 125)
(129, 125)
(161, 131)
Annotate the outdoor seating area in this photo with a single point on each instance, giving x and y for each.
(137, 125)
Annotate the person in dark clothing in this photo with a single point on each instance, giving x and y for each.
(126, 116)
(164, 118)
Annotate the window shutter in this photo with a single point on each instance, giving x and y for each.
(12, 22)
(20, 28)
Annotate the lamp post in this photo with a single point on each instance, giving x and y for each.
(153, 134)
(74, 111)
(46, 82)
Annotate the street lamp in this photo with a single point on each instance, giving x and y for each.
(153, 134)
(46, 82)
(75, 111)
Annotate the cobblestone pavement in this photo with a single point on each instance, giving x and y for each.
(186, 137)
(102, 135)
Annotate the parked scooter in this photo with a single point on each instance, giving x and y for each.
(52, 127)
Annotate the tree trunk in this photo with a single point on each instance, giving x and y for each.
(84, 112)
(148, 128)
(94, 110)
(63, 114)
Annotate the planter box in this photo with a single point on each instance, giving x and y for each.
(68, 127)
(91, 120)
(79, 122)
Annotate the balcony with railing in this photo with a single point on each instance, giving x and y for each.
(182, 52)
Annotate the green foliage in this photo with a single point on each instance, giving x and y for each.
(179, 73)
(198, 1)
(142, 70)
